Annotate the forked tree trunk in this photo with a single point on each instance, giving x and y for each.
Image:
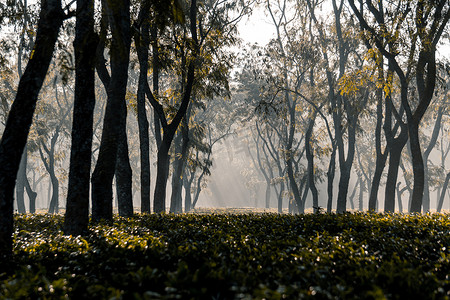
(119, 19)
(180, 162)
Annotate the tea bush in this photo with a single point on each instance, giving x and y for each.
(233, 256)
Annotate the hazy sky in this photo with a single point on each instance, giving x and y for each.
(257, 28)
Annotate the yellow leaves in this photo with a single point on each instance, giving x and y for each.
(350, 83)
(131, 100)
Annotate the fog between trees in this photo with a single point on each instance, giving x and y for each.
(159, 106)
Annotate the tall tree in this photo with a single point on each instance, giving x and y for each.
(77, 207)
(169, 129)
(20, 116)
(142, 42)
(118, 15)
(428, 20)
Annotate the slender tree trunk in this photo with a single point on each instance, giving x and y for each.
(345, 166)
(310, 158)
(399, 197)
(361, 196)
(330, 178)
(123, 173)
(187, 193)
(77, 208)
(155, 82)
(175, 199)
(142, 42)
(20, 183)
(426, 154)
(352, 195)
(280, 198)
(119, 19)
(180, 163)
(381, 157)
(444, 191)
(426, 80)
(19, 120)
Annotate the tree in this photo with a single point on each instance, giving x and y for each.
(142, 42)
(20, 116)
(77, 207)
(118, 18)
(427, 21)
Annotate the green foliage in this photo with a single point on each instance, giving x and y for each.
(193, 256)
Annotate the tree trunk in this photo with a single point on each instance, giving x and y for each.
(426, 80)
(155, 82)
(345, 165)
(381, 157)
(187, 193)
(310, 158)
(142, 43)
(170, 129)
(19, 120)
(102, 177)
(20, 183)
(123, 173)
(426, 154)
(54, 202)
(444, 191)
(180, 162)
(77, 208)
(399, 197)
(395, 152)
(352, 195)
(330, 178)
(162, 172)
(361, 196)
(175, 199)
(418, 167)
(280, 198)
(32, 197)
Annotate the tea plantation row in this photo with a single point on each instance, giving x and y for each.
(239, 256)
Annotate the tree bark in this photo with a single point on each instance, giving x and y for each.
(426, 81)
(395, 152)
(426, 155)
(444, 191)
(123, 173)
(32, 197)
(187, 192)
(310, 157)
(19, 120)
(170, 129)
(162, 172)
(381, 157)
(142, 42)
(77, 208)
(330, 178)
(119, 19)
(20, 183)
(180, 162)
